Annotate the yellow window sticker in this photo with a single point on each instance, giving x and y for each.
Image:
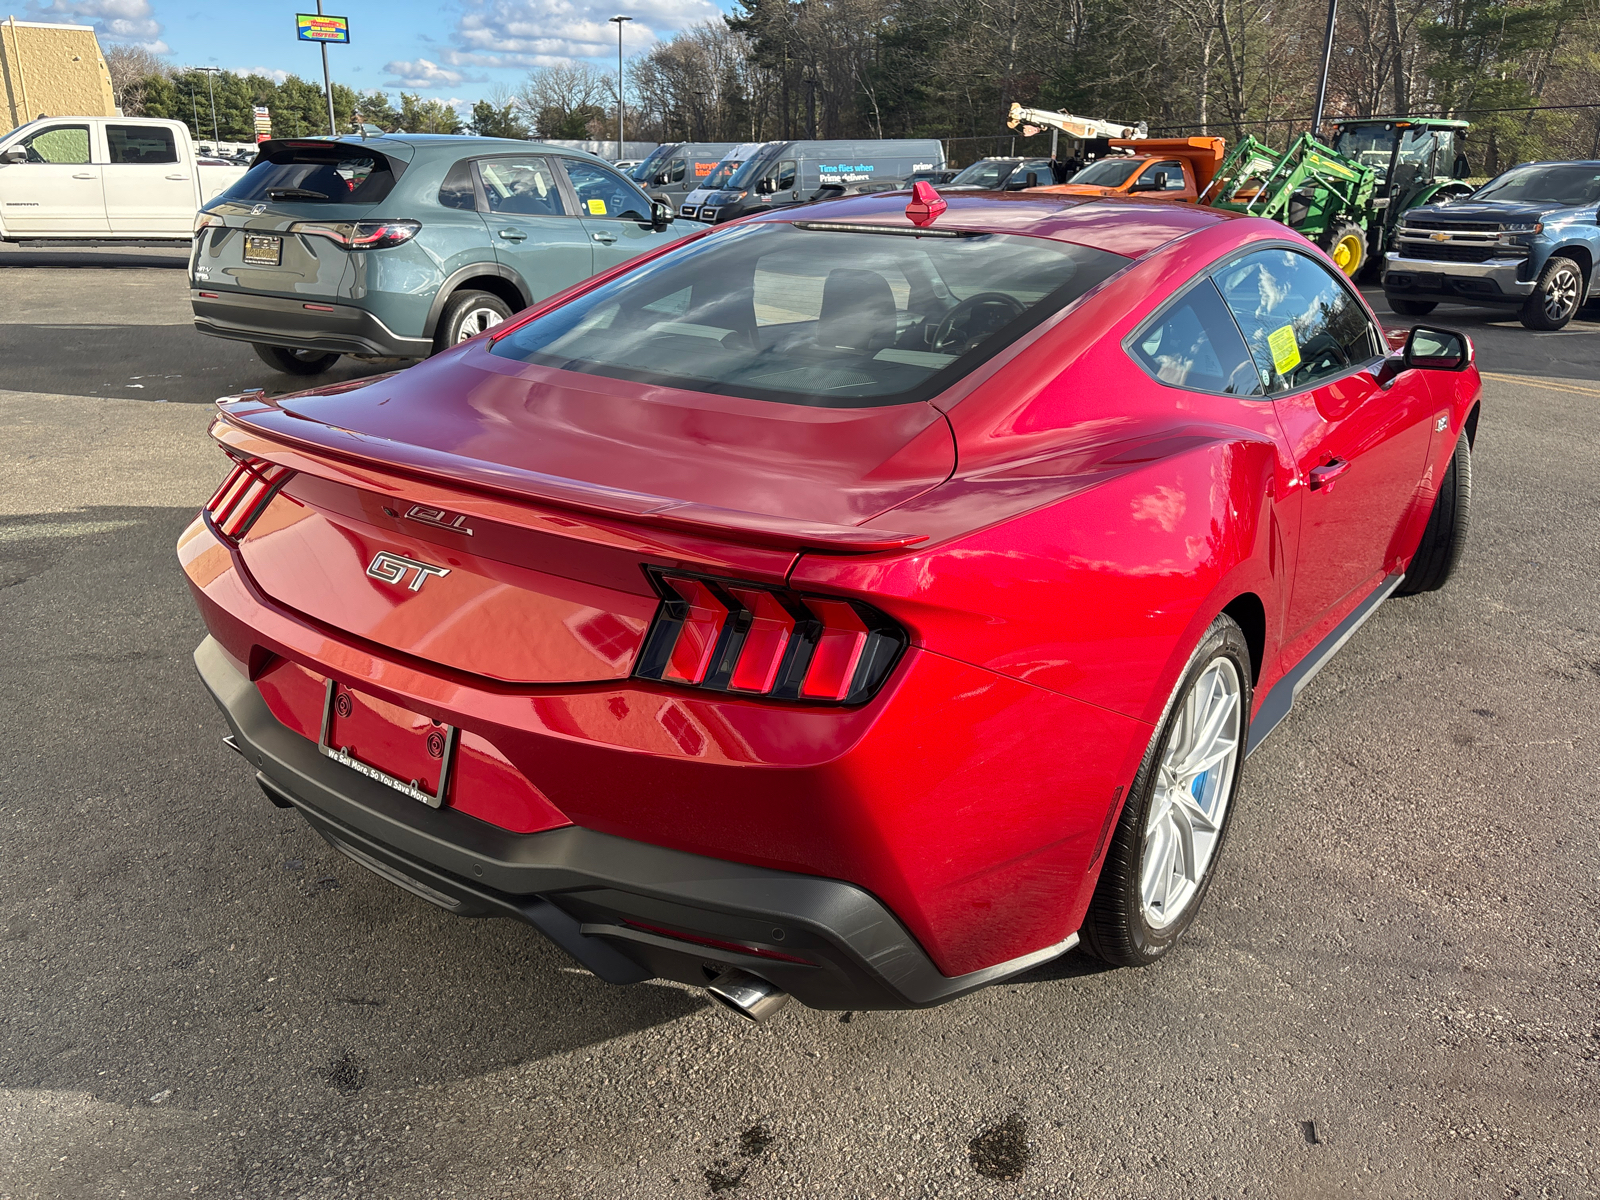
(1285, 351)
(597, 208)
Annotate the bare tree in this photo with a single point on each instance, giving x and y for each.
(130, 67)
(561, 100)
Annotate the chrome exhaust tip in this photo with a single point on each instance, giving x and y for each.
(750, 996)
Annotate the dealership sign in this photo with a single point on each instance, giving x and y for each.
(314, 27)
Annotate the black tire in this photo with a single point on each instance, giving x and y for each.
(295, 362)
(1346, 243)
(1446, 535)
(467, 315)
(1116, 928)
(1411, 308)
(1555, 297)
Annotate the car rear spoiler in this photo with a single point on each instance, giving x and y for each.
(249, 427)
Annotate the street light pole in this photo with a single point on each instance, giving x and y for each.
(618, 21)
(212, 92)
(1327, 57)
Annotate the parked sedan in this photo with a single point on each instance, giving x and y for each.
(402, 245)
(812, 609)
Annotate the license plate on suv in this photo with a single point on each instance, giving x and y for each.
(262, 251)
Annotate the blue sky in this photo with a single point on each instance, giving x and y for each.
(453, 50)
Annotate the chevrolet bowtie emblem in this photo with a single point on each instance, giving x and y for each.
(1439, 237)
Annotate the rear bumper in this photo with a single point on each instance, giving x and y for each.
(608, 901)
(275, 321)
(1492, 282)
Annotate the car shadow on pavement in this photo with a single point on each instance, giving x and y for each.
(163, 926)
(174, 258)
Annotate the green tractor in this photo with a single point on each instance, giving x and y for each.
(1346, 197)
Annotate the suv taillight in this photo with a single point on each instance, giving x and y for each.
(747, 639)
(360, 235)
(244, 496)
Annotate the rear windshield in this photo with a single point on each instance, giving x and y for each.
(331, 174)
(775, 311)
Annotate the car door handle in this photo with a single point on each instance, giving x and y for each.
(178, 178)
(605, 239)
(513, 235)
(84, 175)
(1323, 476)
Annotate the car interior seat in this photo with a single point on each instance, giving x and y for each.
(858, 311)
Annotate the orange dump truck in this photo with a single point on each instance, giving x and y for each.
(1163, 168)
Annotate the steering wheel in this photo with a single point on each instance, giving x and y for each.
(975, 318)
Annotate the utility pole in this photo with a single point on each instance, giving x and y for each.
(212, 92)
(619, 21)
(327, 83)
(1327, 57)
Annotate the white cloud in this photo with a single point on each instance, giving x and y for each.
(529, 33)
(272, 73)
(127, 21)
(424, 73)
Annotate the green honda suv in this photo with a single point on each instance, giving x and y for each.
(399, 246)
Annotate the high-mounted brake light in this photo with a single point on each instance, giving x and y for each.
(244, 496)
(747, 639)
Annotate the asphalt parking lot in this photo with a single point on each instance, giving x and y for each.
(1394, 989)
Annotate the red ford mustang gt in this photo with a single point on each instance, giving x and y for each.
(861, 603)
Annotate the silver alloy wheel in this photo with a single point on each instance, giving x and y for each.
(1193, 787)
(1561, 296)
(474, 321)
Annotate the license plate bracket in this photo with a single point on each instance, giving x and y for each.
(261, 250)
(347, 713)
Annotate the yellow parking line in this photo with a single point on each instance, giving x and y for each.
(1561, 386)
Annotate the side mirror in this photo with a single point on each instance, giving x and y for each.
(15, 155)
(1461, 168)
(659, 179)
(1427, 349)
(1159, 184)
(1033, 179)
(661, 215)
(766, 187)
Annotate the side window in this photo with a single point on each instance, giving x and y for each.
(64, 144)
(457, 190)
(1195, 344)
(1171, 168)
(523, 187)
(1301, 322)
(141, 144)
(604, 193)
(785, 176)
(677, 172)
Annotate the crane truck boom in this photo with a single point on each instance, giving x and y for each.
(1078, 127)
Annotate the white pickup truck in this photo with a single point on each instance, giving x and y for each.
(104, 179)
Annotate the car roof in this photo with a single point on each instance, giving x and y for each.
(464, 144)
(1127, 226)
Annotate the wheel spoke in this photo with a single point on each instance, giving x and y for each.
(1190, 793)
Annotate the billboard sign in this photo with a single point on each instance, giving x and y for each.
(263, 124)
(314, 27)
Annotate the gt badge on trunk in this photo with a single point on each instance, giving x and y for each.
(393, 568)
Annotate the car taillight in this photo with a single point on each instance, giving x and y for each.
(204, 221)
(360, 235)
(747, 639)
(244, 496)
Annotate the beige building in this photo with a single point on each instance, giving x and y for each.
(53, 71)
